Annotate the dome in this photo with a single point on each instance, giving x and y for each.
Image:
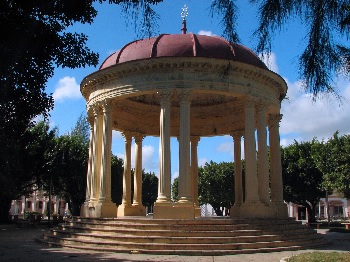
(183, 45)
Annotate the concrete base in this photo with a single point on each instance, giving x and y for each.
(173, 212)
(259, 210)
(130, 210)
(197, 211)
(280, 210)
(99, 209)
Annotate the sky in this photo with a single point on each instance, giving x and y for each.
(302, 119)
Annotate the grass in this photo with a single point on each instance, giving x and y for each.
(321, 257)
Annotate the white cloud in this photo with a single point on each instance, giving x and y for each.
(270, 61)
(67, 87)
(304, 119)
(204, 32)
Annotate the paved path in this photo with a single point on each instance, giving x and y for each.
(18, 244)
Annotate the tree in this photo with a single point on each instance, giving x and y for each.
(149, 189)
(117, 179)
(302, 180)
(70, 167)
(175, 189)
(216, 185)
(33, 41)
(82, 128)
(325, 21)
(31, 166)
(338, 175)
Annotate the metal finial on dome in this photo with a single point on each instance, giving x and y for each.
(184, 14)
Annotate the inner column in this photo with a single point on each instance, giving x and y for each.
(235, 209)
(194, 169)
(163, 205)
(185, 181)
(138, 208)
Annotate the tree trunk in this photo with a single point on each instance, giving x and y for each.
(5, 206)
(311, 213)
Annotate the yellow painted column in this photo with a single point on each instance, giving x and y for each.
(138, 171)
(185, 181)
(263, 169)
(164, 183)
(90, 161)
(106, 147)
(275, 160)
(127, 171)
(194, 168)
(237, 136)
(251, 180)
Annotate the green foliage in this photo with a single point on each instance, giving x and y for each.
(149, 188)
(70, 167)
(228, 10)
(320, 256)
(117, 179)
(333, 159)
(175, 189)
(216, 185)
(301, 177)
(324, 20)
(33, 42)
(82, 128)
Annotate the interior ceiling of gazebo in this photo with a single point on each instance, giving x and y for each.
(210, 114)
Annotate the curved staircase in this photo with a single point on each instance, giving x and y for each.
(214, 236)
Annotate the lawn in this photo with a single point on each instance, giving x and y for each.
(321, 257)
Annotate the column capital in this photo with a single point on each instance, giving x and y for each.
(165, 95)
(274, 120)
(127, 135)
(184, 96)
(261, 106)
(237, 135)
(106, 105)
(195, 139)
(138, 137)
(95, 109)
(248, 102)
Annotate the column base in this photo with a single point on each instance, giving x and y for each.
(251, 210)
(280, 210)
(197, 211)
(99, 209)
(173, 212)
(130, 210)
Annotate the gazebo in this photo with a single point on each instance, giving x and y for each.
(186, 86)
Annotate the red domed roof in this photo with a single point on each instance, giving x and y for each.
(183, 45)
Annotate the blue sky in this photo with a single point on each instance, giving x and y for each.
(302, 118)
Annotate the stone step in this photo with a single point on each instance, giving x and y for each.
(162, 226)
(199, 236)
(168, 239)
(169, 232)
(130, 246)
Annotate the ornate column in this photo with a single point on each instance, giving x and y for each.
(164, 186)
(138, 171)
(185, 182)
(237, 136)
(194, 169)
(95, 156)
(127, 171)
(89, 177)
(105, 173)
(263, 169)
(251, 180)
(275, 160)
